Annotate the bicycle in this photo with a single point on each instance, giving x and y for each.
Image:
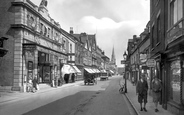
(122, 89)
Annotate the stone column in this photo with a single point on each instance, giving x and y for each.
(18, 69)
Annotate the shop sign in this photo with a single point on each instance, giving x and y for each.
(151, 63)
(29, 47)
(143, 57)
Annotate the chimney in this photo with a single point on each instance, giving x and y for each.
(71, 30)
(134, 36)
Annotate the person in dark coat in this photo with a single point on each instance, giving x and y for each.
(156, 91)
(142, 91)
(35, 82)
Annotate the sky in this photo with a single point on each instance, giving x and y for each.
(113, 21)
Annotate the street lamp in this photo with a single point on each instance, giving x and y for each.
(125, 58)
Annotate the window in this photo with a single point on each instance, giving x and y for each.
(64, 44)
(41, 28)
(158, 29)
(176, 11)
(175, 69)
(45, 31)
(70, 58)
(70, 48)
(152, 36)
(48, 35)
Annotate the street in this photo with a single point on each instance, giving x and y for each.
(102, 98)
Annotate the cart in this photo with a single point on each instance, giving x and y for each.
(90, 79)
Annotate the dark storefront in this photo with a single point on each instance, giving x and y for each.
(44, 68)
(42, 62)
(175, 83)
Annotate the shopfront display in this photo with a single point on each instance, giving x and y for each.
(175, 80)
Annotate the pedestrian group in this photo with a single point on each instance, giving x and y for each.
(142, 92)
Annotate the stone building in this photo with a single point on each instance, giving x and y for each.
(36, 44)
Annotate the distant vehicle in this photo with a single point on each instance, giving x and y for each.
(104, 76)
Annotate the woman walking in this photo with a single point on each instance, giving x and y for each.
(156, 91)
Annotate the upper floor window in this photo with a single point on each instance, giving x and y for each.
(64, 44)
(176, 11)
(45, 31)
(70, 58)
(41, 28)
(48, 35)
(70, 48)
(152, 36)
(158, 29)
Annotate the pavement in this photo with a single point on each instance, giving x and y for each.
(6, 97)
(133, 99)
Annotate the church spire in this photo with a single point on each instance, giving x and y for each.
(113, 59)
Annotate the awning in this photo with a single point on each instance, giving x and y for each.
(97, 70)
(67, 69)
(103, 71)
(88, 70)
(92, 70)
(76, 68)
(111, 71)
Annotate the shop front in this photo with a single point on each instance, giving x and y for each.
(68, 73)
(42, 63)
(44, 68)
(176, 84)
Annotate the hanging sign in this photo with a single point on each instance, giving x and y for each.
(151, 63)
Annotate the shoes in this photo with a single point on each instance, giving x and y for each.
(141, 109)
(156, 110)
(145, 109)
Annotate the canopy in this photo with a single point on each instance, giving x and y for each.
(78, 71)
(111, 71)
(67, 69)
(88, 70)
(103, 71)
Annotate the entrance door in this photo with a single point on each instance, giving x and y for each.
(44, 74)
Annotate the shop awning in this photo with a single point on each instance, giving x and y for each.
(103, 71)
(88, 70)
(94, 70)
(76, 68)
(67, 69)
(111, 71)
(97, 70)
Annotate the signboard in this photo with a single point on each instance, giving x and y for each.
(151, 63)
(124, 62)
(143, 57)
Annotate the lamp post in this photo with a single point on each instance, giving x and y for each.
(125, 58)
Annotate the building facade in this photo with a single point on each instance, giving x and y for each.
(36, 44)
(174, 56)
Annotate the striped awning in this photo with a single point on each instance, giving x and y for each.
(76, 68)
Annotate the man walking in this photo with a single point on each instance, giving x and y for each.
(142, 91)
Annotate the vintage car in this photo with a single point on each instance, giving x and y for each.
(104, 75)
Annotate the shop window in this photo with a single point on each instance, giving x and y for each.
(176, 11)
(175, 78)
